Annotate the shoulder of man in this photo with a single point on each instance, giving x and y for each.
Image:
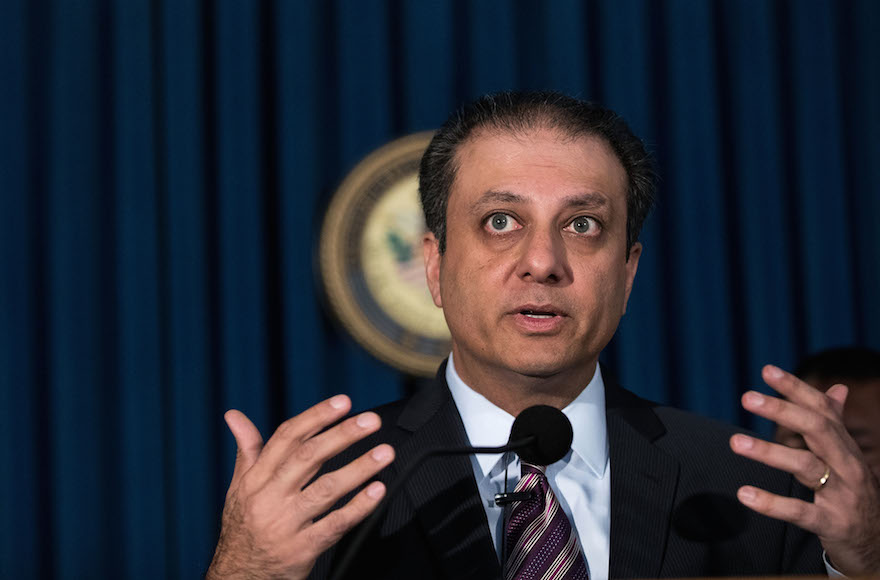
(398, 421)
(707, 476)
(388, 433)
(700, 445)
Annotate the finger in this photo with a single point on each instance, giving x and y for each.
(838, 393)
(799, 392)
(798, 512)
(328, 530)
(320, 495)
(803, 464)
(790, 415)
(305, 459)
(825, 436)
(248, 440)
(301, 427)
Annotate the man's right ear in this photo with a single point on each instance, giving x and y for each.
(433, 259)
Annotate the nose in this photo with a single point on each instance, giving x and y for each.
(543, 258)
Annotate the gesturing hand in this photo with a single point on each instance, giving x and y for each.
(268, 528)
(845, 512)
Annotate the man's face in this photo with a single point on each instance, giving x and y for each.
(535, 277)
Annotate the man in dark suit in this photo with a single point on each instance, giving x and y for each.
(535, 202)
(672, 509)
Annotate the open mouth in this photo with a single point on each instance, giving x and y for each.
(537, 314)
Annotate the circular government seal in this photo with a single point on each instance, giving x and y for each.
(371, 260)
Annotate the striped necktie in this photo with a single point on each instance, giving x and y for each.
(540, 543)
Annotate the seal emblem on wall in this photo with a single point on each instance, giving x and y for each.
(371, 260)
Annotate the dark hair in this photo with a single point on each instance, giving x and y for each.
(518, 112)
(841, 365)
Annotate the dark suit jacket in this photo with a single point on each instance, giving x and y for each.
(673, 507)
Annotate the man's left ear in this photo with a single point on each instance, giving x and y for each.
(431, 254)
(632, 264)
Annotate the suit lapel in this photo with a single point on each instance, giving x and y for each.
(643, 484)
(443, 491)
(448, 507)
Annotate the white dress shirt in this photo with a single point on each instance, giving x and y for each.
(581, 480)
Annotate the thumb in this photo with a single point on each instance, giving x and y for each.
(248, 439)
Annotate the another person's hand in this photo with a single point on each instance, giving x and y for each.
(845, 512)
(269, 528)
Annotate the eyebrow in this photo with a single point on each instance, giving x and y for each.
(587, 200)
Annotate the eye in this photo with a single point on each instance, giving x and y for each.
(501, 223)
(583, 225)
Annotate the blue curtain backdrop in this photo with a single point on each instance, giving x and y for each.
(164, 166)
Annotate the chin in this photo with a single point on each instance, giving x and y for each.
(536, 366)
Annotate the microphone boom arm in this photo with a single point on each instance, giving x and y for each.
(373, 519)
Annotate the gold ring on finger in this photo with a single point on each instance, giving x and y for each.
(824, 479)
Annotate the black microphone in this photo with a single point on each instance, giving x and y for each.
(549, 432)
(540, 435)
(552, 435)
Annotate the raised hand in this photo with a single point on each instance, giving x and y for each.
(269, 528)
(845, 511)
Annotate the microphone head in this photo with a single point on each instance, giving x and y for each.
(552, 432)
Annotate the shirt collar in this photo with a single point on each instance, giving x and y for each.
(488, 425)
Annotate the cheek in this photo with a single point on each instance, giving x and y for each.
(608, 286)
(469, 291)
(472, 270)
